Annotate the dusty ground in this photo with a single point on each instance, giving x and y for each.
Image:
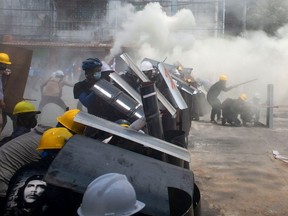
(235, 169)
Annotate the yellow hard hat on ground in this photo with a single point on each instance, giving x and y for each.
(67, 120)
(223, 77)
(243, 97)
(4, 58)
(54, 138)
(25, 107)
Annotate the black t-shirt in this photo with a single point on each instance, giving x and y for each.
(28, 194)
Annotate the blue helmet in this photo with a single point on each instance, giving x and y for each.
(91, 63)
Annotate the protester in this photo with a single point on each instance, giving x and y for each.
(53, 201)
(212, 97)
(51, 90)
(95, 105)
(26, 118)
(110, 194)
(15, 154)
(22, 150)
(4, 62)
(232, 108)
(251, 114)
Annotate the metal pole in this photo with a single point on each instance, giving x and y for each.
(174, 7)
(269, 117)
(223, 18)
(151, 109)
(216, 18)
(244, 17)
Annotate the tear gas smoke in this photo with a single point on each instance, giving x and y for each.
(156, 36)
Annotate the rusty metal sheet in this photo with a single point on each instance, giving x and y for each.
(16, 82)
(135, 136)
(83, 159)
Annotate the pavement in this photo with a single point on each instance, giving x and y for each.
(235, 170)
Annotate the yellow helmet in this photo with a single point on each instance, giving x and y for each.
(54, 138)
(243, 97)
(223, 77)
(67, 120)
(180, 68)
(25, 107)
(4, 58)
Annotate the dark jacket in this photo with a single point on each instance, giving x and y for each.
(231, 108)
(55, 200)
(216, 89)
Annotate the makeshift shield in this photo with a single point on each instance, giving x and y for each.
(121, 82)
(21, 61)
(172, 87)
(135, 136)
(143, 77)
(181, 84)
(83, 159)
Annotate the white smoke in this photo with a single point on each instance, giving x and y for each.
(157, 36)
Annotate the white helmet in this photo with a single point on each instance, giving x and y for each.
(58, 73)
(105, 67)
(110, 194)
(146, 66)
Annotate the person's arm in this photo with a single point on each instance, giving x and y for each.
(85, 98)
(42, 86)
(225, 89)
(70, 84)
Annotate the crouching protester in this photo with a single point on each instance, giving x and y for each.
(231, 109)
(26, 118)
(110, 194)
(28, 194)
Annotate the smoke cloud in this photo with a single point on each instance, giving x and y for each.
(255, 56)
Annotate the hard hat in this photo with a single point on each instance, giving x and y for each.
(54, 138)
(25, 107)
(4, 58)
(91, 63)
(67, 120)
(110, 194)
(179, 68)
(106, 67)
(123, 123)
(243, 97)
(146, 66)
(58, 73)
(223, 77)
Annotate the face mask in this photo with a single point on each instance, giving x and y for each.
(97, 76)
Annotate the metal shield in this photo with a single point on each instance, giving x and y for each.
(83, 159)
(172, 87)
(143, 77)
(135, 136)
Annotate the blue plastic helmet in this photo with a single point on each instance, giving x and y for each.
(91, 63)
